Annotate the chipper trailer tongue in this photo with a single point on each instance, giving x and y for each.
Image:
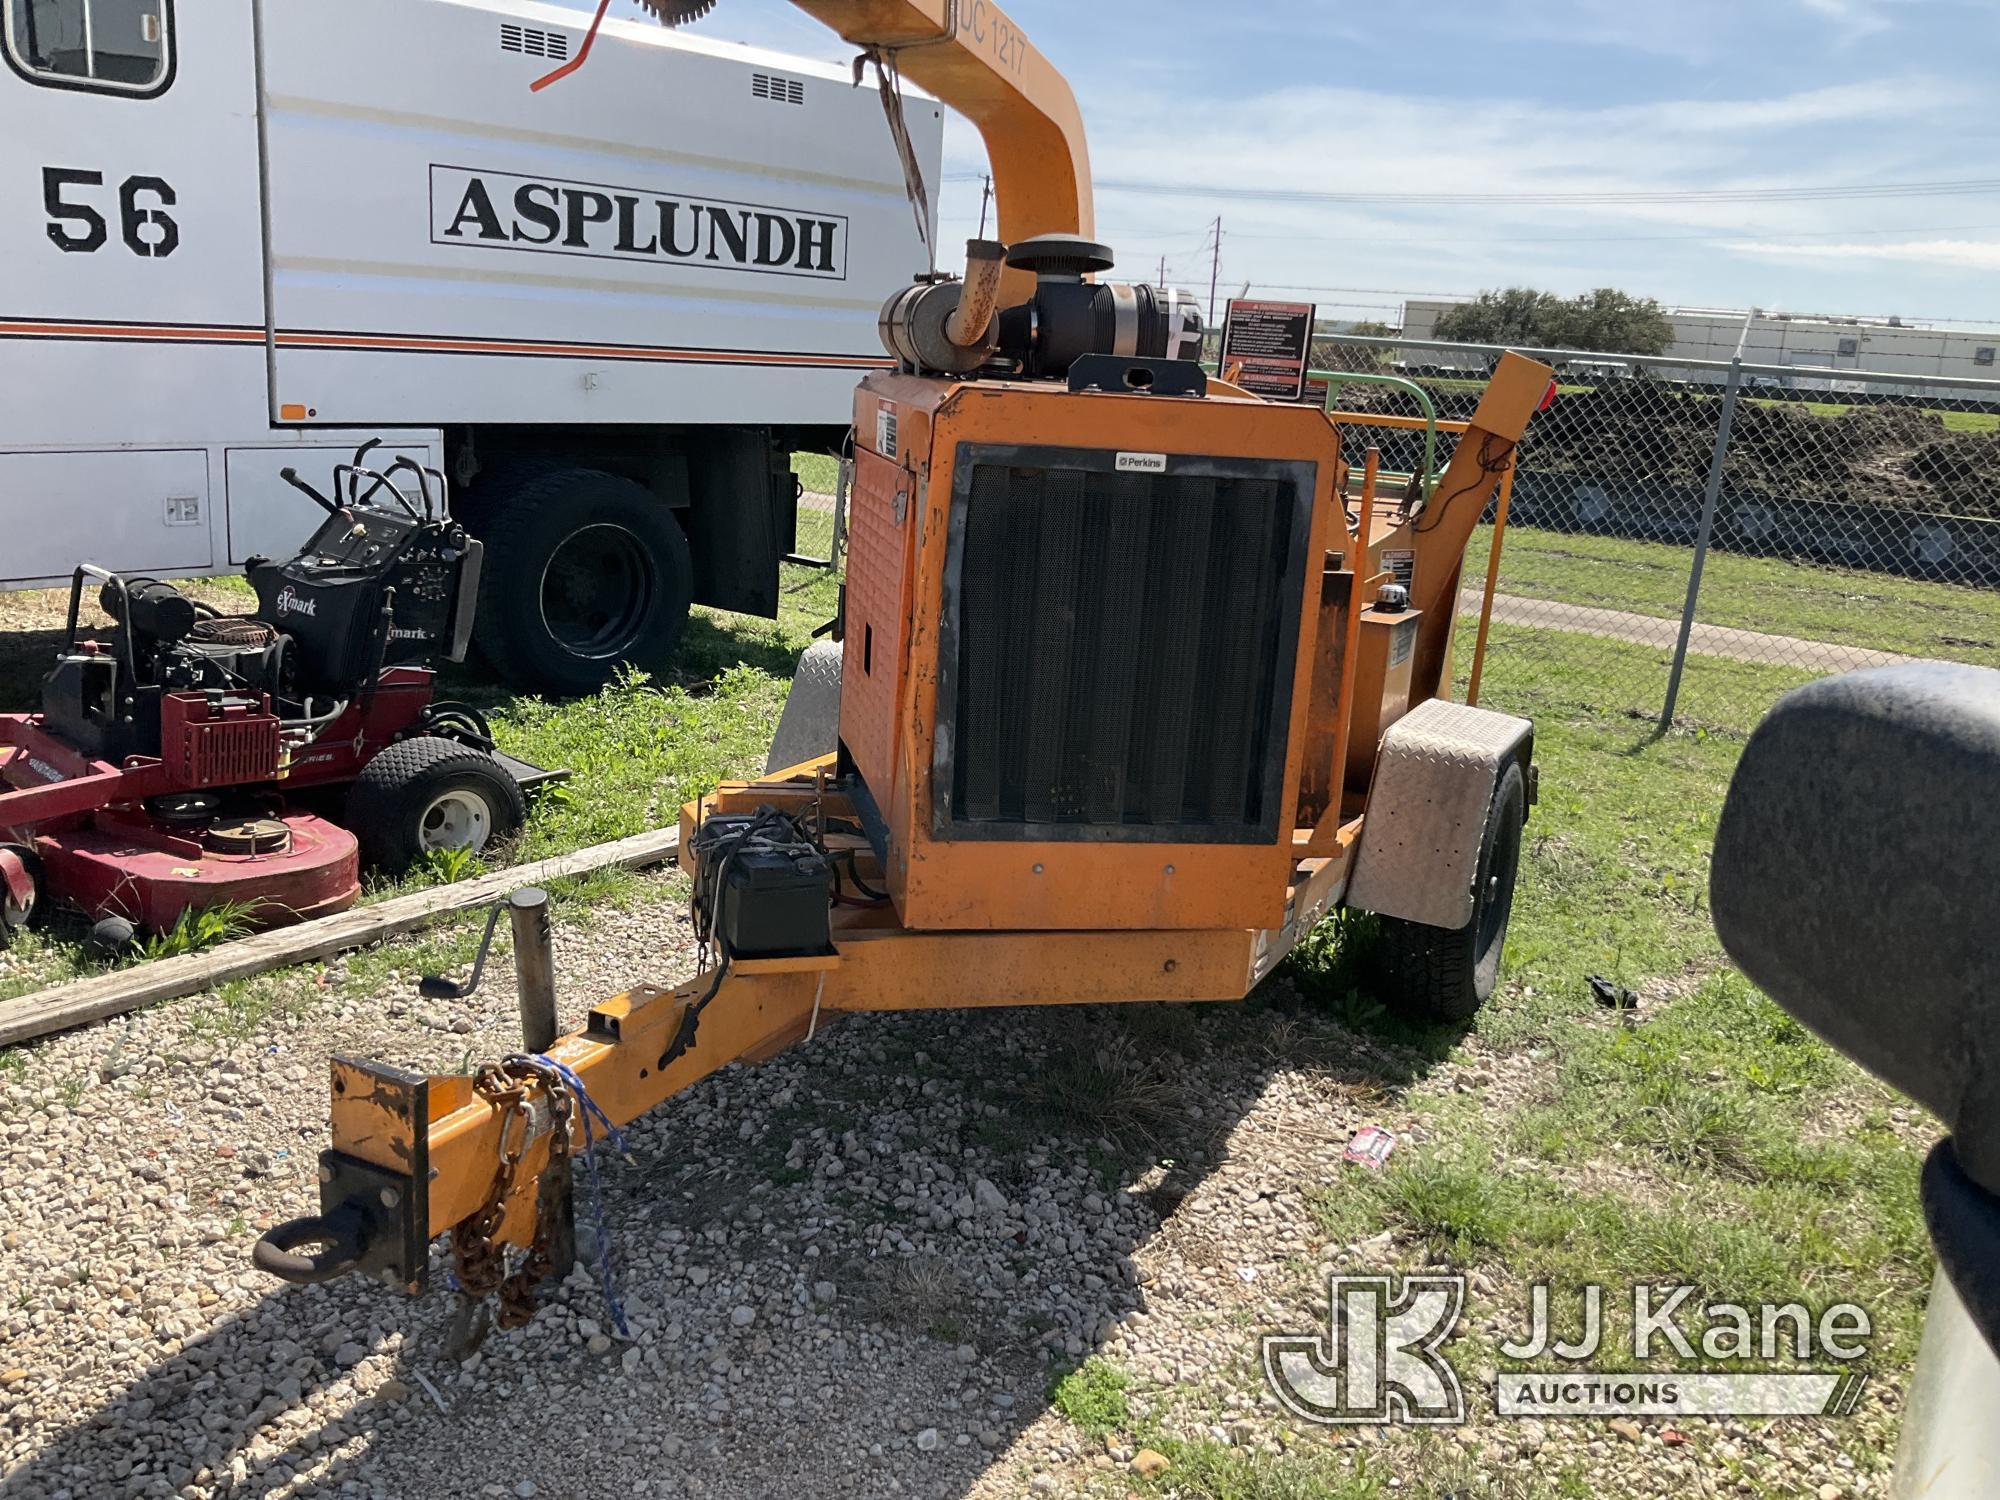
(1138, 679)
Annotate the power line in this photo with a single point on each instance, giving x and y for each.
(1966, 187)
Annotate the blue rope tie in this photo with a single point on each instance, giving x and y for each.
(593, 1116)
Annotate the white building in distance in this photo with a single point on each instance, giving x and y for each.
(1809, 342)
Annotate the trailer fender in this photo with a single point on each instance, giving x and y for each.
(1427, 805)
(810, 723)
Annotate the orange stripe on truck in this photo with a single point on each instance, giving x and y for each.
(411, 343)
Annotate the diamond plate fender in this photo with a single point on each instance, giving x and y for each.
(810, 724)
(1426, 817)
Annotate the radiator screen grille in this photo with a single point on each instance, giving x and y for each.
(1124, 652)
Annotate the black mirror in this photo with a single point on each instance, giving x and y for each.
(1856, 881)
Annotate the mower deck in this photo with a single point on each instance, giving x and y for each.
(149, 872)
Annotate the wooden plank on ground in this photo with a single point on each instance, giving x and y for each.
(112, 994)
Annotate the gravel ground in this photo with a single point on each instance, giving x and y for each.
(850, 1272)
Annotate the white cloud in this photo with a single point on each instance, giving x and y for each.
(1852, 19)
(1981, 255)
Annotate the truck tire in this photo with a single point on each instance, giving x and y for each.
(584, 571)
(431, 793)
(1446, 974)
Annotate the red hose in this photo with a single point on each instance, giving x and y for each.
(582, 53)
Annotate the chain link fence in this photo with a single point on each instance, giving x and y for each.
(1686, 541)
(820, 522)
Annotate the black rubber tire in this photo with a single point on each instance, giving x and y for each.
(388, 802)
(1446, 974)
(552, 534)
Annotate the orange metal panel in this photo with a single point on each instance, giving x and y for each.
(1381, 686)
(942, 884)
(1316, 778)
(900, 970)
(877, 614)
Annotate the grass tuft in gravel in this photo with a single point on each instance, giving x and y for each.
(1093, 1397)
(1119, 1088)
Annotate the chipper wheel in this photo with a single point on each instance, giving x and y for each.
(430, 793)
(1446, 974)
(678, 12)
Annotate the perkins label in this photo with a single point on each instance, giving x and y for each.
(503, 211)
(1142, 463)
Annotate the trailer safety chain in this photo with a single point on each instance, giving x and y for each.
(593, 1116)
(478, 1260)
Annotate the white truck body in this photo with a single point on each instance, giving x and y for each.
(269, 229)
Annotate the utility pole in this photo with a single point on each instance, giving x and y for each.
(985, 197)
(1162, 282)
(1214, 269)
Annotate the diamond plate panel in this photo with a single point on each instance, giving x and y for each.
(1427, 806)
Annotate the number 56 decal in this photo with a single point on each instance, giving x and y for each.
(143, 221)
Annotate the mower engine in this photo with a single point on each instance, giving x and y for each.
(374, 588)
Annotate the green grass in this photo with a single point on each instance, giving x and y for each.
(819, 472)
(1954, 421)
(1414, 1464)
(1093, 1397)
(195, 929)
(1839, 605)
(1706, 1138)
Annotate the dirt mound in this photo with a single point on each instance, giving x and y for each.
(1633, 433)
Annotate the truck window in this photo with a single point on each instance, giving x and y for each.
(117, 46)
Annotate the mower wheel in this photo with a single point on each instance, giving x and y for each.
(584, 571)
(20, 889)
(1446, 974)
(112, 937)
(428, 793)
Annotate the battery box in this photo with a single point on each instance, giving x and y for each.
(768, 898)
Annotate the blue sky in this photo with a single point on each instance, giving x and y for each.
(1460, 96)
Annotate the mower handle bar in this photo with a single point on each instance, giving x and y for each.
(424, 477)
(357, 472)
(291, 477)
(124, 631)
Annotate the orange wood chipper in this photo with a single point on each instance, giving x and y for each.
(1137, 680)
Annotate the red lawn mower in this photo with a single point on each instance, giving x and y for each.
(197, 757)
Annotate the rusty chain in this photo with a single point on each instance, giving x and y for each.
(477, 1257)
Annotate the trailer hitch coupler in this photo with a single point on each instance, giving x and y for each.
(342, 1236)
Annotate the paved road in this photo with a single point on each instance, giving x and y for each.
(1704, 640)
